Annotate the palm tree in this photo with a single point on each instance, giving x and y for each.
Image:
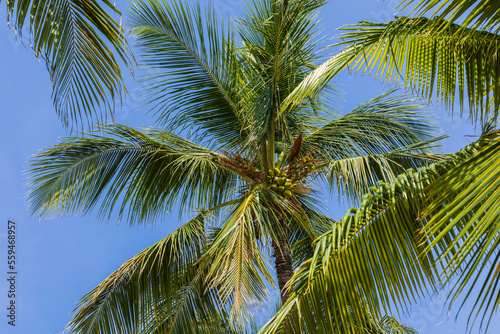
(82, 45)
(247, 137)
(452, 56)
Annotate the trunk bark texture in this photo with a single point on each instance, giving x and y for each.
(284, 269)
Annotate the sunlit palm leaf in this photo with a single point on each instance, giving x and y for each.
(145, 171)
(192, 59)
(279, 50)
(312, 85)
(474, 14)
(465, 231)
(372, 325)
(237, 260)
(353, 177)
(380, 125)
(376, 141)
(301, 241)
(82, 44)
(161, 289)
(440, 64)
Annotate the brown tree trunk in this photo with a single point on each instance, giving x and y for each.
(284, 269)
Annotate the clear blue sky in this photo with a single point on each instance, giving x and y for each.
(60, 260)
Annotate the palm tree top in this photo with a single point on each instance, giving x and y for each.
(245, 133)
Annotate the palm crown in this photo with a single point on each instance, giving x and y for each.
(247, 137)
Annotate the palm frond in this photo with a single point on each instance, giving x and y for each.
(278, 51)
(389, 325)
(473, 14)
(191, 57)
(376, 141)
(161, 289)
(379, 125)
(237, 261)
(463, 228)
(440, 64)
(302, 242)
(372, 325)
(82, 45)
(141, 173)
(370, 260)
(311, 86)
(352, 177)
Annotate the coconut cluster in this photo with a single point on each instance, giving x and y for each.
(279, 183)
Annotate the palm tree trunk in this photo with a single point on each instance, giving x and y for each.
(284, 269)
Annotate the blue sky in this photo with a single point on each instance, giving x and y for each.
(62, 259)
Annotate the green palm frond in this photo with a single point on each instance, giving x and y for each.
(370, 260)
(194, 82)
(379, 125)
(473, 14)
(239, 267)
(145, 171)
(464, 230)
(441, 64)
(389, 325)
(301, 241)
(376, 141)
(278, 51)
(161, 289)
(311, 86)
(352, 177)
(82, 45)
(372, 325)
(237, 260)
